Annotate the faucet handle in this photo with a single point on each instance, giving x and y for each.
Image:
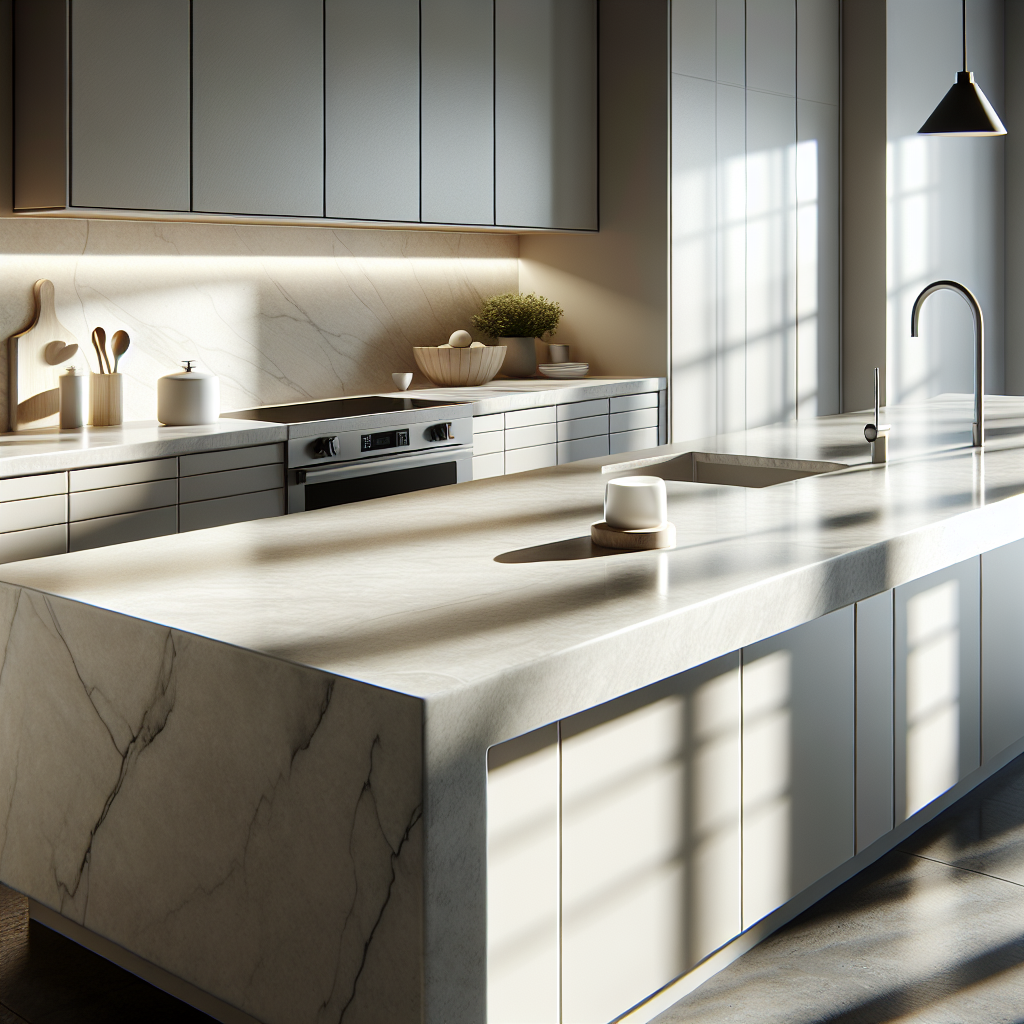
(877, 434)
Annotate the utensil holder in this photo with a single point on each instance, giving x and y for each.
(105, 399)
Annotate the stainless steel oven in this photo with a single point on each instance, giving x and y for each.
(353, 449)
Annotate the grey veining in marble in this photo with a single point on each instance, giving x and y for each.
(279, 313)
(249, 825)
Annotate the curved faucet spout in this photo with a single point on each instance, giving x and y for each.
(979, 347)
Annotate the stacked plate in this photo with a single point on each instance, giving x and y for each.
(564, 371)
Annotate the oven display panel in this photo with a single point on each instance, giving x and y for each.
(384, 439)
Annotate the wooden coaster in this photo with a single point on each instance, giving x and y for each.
(663, 536)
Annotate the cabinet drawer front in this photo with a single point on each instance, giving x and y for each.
(50, 540)
(21, 487)
(523, 459)
(528, 437)
(626, 403)
(632, 440)
(487, 444)
(486, 424)
(591, 426)
(485, 466)
(585, 448)
(577, 410)
(233, 458)
(234, 481)
(98, 533)
(126, 473)
(633, 420)
(33, 512)
(240, 508)
(112, 501)
(529, 417)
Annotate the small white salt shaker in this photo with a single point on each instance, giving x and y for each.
(72, 399)
(635, 502)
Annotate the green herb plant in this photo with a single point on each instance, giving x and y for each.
(518, 316)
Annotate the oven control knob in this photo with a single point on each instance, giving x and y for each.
(325, 447)
(440, 432)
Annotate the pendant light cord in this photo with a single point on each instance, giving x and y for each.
(963, 8)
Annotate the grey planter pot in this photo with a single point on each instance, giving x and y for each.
(521, 357)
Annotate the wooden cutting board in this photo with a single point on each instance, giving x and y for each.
(38, 355)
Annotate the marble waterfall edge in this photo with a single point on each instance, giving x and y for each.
(249, 825)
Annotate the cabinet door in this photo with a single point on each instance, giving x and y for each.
(937, 691)
(522, 879)
(130, 104)
(457, 53)
(798, 760)
(1002, 648)
(372, 113)
(650, 838)
(874, 719)
(545, 113)
(258, 107)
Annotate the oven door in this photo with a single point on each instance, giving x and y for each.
(344, 482)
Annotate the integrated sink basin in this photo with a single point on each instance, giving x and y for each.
(735, 470)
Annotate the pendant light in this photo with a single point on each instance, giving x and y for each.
(964, 110)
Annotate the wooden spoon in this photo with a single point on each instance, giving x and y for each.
(119, 344)
(99, 341)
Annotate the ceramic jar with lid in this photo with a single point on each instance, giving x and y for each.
(188, 398)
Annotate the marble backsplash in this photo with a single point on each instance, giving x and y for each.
(279, 313)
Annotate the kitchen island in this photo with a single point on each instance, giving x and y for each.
(256, 757)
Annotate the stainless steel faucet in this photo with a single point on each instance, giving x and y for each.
(979, 347)
(877, 433)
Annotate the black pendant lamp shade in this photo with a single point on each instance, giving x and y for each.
(964, 110)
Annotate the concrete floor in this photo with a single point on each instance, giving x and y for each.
(932, 934)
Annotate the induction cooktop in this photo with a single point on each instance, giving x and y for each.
(331, 409)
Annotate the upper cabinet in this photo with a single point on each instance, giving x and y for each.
(257, 106)
(443, 112)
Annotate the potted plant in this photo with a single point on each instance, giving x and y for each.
(516, 321)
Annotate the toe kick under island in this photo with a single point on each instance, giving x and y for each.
(438, 759)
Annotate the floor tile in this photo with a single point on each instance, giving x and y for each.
(908, 940)
(982, 832)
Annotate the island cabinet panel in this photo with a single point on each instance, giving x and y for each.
(1002, 648)
(130, 104)
(258, 107)
(457, 111)
(798, 760)
(874, 672)
(372, 109)
(937, 684)
(650, 838)
(523, 879)
(545, 113)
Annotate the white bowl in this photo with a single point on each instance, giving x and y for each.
(564, 371)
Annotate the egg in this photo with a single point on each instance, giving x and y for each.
(460, 339)
(478, 344)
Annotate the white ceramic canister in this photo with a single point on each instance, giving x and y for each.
(72, 399)
(635, 502)
(189, 398)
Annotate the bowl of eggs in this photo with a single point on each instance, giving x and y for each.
(462, 362)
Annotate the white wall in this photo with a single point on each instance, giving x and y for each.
(755, 212)
(613, 284)
(945, 201)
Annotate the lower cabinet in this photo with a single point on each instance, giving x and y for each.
(1002, 648)
(628, 842)
(937, 684)
(798, 760)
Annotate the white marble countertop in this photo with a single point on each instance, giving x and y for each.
(509, 395)
(51, 450)
(491, 591)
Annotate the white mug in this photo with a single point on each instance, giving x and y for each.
(635, 502)
(402, 380)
